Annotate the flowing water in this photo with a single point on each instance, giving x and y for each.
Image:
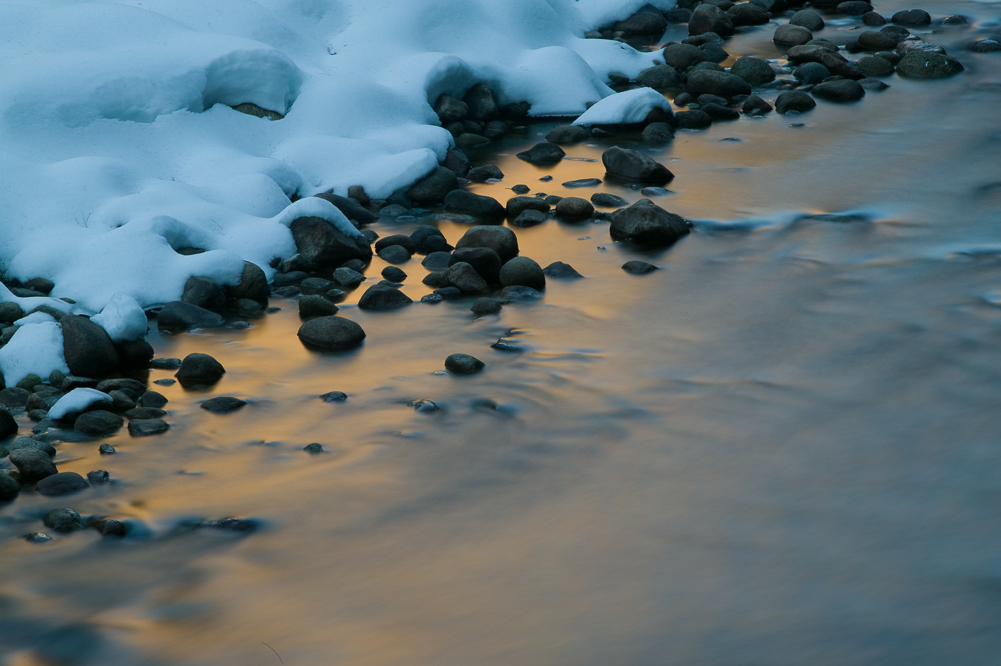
(782, 448)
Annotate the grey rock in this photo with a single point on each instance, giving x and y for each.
(791, 35)
(204, 293)
(528, 218)
(313, 448)
(110, 528)
(450, 109)
(708, 18)
(574, 208)
(394, 274)
(755, 71)
(794, 101)
(518, 294)
(873, 19)
(756, 106)
(584, 182)
(33, 464)
(334, 396)
(499, 239)
(347, 277)
(645, 223)
(379, 297)
(485, 306)
(119, 383)
(682, 56)
(463, 364)
(106, 449)
(484, 173)
(747, 13)
(561, 271)
(635, 166)
(178, 315)
(9, 488)
(874, 66)
(484, 261)
(457, 162)
(63, 520)
(811, 73)
(696, 119)
(648, 20)
(321, 242)
(153, 399)
(566, 134)
(351, 209)
(87, 347)
(436, 261)
(471, 141)
(10, 312)
(14, 396)
(841, 90)
(912, 17)
(223, 404)
(315, 306)
(986, 46)
(853, 8)
(395, 254)
(872, 40)
(448, 293)
(522, 271)
(141, 413)
(428, 239)
(638, 267)
(147, 427)
(517, 205)
(63, 483)
(98, 422)
(199, 369)
(29, 443)
(481, 102)
(925, 65)
(433, 187)
(98, 477)
(542, 153)
(809, 19)
(608, 200)
(659, 77)
(657, 133)
(722, 84)
(465, 278)
(476, 205)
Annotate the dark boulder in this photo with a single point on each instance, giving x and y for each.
(791, 35)
(463, 364)
(350, 208)
(464, 277)
(33, 464)
(204, 293)
(563, 135)
(321, 242)
(522, 271)
(450, 109)
(709, 18)
(645, 223)
(755, 71)
(840, 90)
(648, 20)
(253, 285)
(659, 77)
(927, 65)
(178, 315)
(635, 166)
(912, 17)
(501, 240)
(484, 261)
(481, 102)
(794, 101)
(574, 208)
(98, 422)
(476, 205)
(331, 333)
(378, 297)
(147, 427)
(722, 84)
(517, 205)
(683, 56)
(561, 271)
(8, 426)
(63, 483)
(88, 349)
(433, 187)
(199, 369)
(542, 153)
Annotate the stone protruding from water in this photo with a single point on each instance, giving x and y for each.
(331, 333)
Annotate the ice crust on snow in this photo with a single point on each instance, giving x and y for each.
(627, 107)
(76, 401)
(118, 145)
(35, 349)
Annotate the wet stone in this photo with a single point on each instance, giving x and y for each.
(382, 297)
(153, 399)
(63, 520)
(542, 153)
(518, 293)
(561, 271)
(448, 293)
(394, 274)
(485, 306)
(529, 218)
(147, 427)
(574, 208)
(9, 487)
(348, 277)
(223, 404)
(199, 369)
(334, 396)
(481, 174)
(110, 528)
(463, 364)
(842, 90)
(437, 261)
(522, 271)
(638, 267)
(63, 483)
(794, 101)
(98, 422)
(315, 306)
(584, 182)
(696, 119)
(313, 448)
(332, 333)
(98, 477)
(140, 413)
(106, 449)
(608, 200)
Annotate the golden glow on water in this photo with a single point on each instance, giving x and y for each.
(779, 443)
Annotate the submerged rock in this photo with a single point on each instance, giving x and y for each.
(33, 464)
(637, 267)
(63, 520)
(199, 369)
(223, 404)
(147, 427)
(542, 153)
(63, 483)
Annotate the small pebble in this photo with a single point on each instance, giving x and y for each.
(638, 267)
(521, 189)
(334, 396)
(165, 364)
(165, 382)
(463, 364)
(313, 448)
(424, 406)
(106, 449)
(37, 537)
(98, 476)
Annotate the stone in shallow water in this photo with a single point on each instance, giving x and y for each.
(199, 369)
(223, 404)
(583, 182)
(147, 427)
(313, 448)
(638, 267)
(560, 270)
(98, 422)
(332, 333)
(334, 396)
(63, 483)
(463, 364)
(63, 520)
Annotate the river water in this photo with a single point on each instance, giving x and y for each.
(782, 448)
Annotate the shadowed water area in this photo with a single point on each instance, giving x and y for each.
(782, 448)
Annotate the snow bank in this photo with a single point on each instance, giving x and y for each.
(627, 107)
(35, 349)
(118, 145)
(76, 401)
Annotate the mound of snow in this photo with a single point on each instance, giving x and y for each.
(122, 318)
(35, 349)
(628, 107)
(76, 401)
